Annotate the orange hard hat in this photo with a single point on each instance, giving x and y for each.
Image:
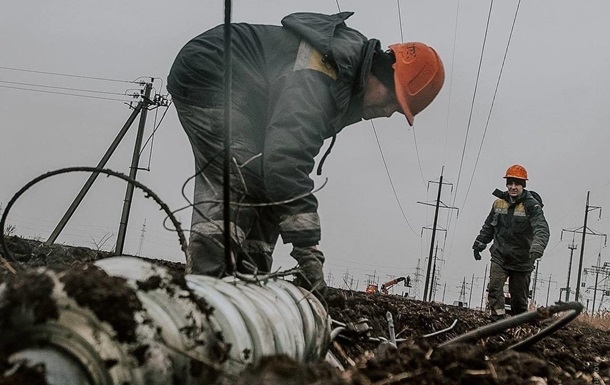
(418, 76)
(516, 171)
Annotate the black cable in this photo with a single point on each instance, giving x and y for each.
(135, 183)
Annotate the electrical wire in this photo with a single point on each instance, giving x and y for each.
(390, 179)
(65, 94)
(65, 75)
(474, 95)
(402, 38)
(62, 88)
(493, 101)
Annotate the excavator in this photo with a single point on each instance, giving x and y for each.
(374, 288)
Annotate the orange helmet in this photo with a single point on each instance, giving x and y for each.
(516, 171)
(418, 77)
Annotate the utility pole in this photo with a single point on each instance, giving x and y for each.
(418, 275)
(470, 294)
(329, 278)
(444, 290)
(597, 269)
(140, 109)
(535, 282)
(437, 207)
(548, 289)
(483, 290)
(142, 238)
(434, 280)
(572, 247)
(585, 231)
(133, 170)
(462, 297)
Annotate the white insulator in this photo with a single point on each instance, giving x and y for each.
(78, 348)
(276, 316)
(254, 319)
(185, 329)
(190, 330)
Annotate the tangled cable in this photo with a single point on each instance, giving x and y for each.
(135, 183)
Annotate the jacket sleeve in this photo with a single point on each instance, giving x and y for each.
(540, 229)
(486, 234)
(301, 108)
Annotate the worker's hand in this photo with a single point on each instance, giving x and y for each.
(311, 275)
(534, 255)
(478, 246)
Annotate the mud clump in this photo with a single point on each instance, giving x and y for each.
(110, 298)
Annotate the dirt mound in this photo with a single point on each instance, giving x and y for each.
(576, 354)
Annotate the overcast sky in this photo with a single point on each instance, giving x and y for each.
(539, 97)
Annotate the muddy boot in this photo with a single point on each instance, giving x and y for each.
(498, 317)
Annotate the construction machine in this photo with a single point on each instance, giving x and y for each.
(374, 288)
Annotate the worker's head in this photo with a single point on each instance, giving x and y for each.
(515, 176)
(406, 78)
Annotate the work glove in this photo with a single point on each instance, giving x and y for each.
(311, 276)
(534, 255)
(477, 247)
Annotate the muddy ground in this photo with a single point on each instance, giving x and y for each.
(575, 354)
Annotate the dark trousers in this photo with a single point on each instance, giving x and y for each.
(254, 226)
(518, 287)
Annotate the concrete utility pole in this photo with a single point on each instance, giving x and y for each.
(585, 231)
(140, 109)
(437, 207)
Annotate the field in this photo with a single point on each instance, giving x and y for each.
(578, 353)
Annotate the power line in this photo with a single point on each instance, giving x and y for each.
(474, 94)
(63, 93)
(493, 101)
(66, 88)
(390, 179)
(66, 75)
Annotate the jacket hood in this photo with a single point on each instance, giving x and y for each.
(352, 57)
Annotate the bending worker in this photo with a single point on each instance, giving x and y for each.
(293, 86)
(520, 234)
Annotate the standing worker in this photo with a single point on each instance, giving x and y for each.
(293, 86)
(520, 233)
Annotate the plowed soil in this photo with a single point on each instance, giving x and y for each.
(575, 354)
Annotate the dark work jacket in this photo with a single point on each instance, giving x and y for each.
(294, 102)
(517, 229)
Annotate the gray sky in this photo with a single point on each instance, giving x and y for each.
(550, 109)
